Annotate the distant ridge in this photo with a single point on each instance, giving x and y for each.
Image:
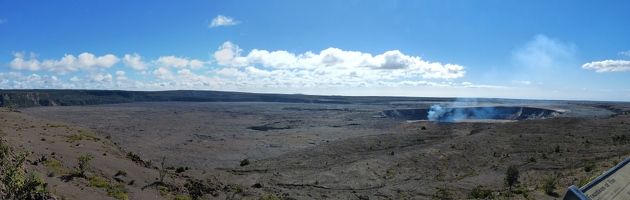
(35, 98)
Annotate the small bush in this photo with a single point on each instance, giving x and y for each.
(97, 181)
(586, 180)
(244, 162)
(589, 166)
(480, 193)
(180, 169)
(130, 154)
(531, 160)
(522, 190)
(550, 185)
(511, 176)
(73, 137)
(121, 173)
(163, 190)
(442, 194)
(117, 191)
(84, 163)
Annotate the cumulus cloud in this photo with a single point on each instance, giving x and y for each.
(542, 53)
(134, 61)
(176, 62)
(163, 73)
(66, 65)
(99, 78)
(336, 62)
(608, 66)
(120, 75)
(233, 72)
(226, 53)
(17, 80)
(256, 69)
(221, 20)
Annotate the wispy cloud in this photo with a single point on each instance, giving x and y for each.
(608, 66)
(544, 53)
(2, 21)
(221, 20)
(517, 82)
(625, 53)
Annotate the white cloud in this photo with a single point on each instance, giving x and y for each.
(134, 61)
(99, 78)
(521, 82)
(120, 75)
(16, 80)
(608, 66)
(625, 53)
(196, 64)
(2, 21)
(221, 20)
(231, 72)
(172, 61)
(66, 65)
(336, 62)
(543, 53)
(226, 53)
(163, 73)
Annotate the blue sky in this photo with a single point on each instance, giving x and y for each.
(573, 50)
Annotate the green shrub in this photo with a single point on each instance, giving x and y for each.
(117, 191)
(586, 180)
(480, 193)
(121, 173)
(84, 163)
(163, 190)
(130, 154)
(97, 181)
(511, 176)
(522, 190)
(550, 185)
(17, 185)
(244, 162)
(73, 137)
(589, 166)
(180, 169)
(442, 194)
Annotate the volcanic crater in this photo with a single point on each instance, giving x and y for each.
(484, 113)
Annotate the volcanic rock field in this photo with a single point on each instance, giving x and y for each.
(411, 149)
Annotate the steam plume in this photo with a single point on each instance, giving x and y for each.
(461, 109)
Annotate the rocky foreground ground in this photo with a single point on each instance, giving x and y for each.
(307, 151)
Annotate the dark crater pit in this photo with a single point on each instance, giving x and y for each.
(453, 114)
